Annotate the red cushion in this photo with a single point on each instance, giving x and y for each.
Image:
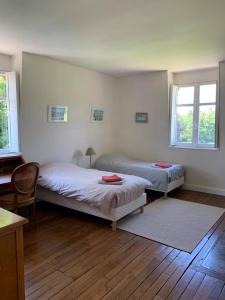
(112, 178)
(163, 165)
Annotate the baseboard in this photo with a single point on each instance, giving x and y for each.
(204, 189)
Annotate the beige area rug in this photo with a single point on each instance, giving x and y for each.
(176, 223)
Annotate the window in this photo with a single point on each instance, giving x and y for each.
(194, 116)
(8, 113)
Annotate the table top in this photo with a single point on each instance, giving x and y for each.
(9, 220)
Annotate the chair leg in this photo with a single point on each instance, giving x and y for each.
(34, 212)
(142, 209)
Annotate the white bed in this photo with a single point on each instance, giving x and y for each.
(113, 215)
(79, 189)
(163, 180)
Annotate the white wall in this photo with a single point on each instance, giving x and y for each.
(211, 74)
(47, 81)
(16, 62)
(205, 169)
(142, 93)
(5, 62)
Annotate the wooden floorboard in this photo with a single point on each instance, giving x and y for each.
(70, 255)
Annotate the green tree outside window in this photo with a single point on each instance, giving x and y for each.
(4, 129)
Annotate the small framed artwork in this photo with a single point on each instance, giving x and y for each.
(57, 113)
(97, 114)
(141, 117)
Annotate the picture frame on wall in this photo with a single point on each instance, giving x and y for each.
(57, 113)
(97, 114)
(141, 117)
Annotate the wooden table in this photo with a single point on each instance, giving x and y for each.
(11, 256)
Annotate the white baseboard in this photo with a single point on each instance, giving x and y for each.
(204, 189)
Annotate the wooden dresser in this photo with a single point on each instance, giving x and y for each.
(11, 256)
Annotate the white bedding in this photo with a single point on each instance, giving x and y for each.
(160, 178)
(82, 184)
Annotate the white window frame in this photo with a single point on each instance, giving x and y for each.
(196, 107)
(11, 97)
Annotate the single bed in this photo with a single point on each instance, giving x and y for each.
(78, 188)
(163, 180)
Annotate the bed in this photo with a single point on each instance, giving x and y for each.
(163, 180)
(78, 188)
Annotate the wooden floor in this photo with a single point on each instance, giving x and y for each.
(70, 255)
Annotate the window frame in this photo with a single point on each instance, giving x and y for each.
(196, 108)
(11, 98)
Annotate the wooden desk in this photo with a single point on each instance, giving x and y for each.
(8, 162)
(11, 256)
(5, 179)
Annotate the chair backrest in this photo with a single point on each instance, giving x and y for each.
(24, 178)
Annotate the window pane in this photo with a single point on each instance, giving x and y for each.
(184, 124)
(4, 129)
(185, 95)
(207, 118)
(208, 93)
(2, 87)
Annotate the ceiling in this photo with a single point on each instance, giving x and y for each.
(117, 36)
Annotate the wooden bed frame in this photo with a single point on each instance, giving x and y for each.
(113, 215)
(170, 187)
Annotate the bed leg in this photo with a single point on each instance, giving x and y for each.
(114, 224)
(165, 196)
(142, 209)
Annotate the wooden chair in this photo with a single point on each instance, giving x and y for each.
(24, 181)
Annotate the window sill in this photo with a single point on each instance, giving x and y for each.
(194, 148)
(9, 154)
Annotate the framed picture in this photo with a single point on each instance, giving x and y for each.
(57, 113)
(97, 114)
(141, 117)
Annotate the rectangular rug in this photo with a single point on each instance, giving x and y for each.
(176, 223)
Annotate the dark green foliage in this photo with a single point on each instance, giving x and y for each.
(4, 138)
(2, 87)
(184, 126)
(206, 127)
(4, 131)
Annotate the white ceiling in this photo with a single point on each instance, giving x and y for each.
(117, 36)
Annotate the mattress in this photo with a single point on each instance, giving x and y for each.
(83, 185)
(160, 178)
(114, 214)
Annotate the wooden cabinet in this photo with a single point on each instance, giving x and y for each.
(8, 162)
(11, 256)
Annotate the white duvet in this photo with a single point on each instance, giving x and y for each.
(82, 184)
